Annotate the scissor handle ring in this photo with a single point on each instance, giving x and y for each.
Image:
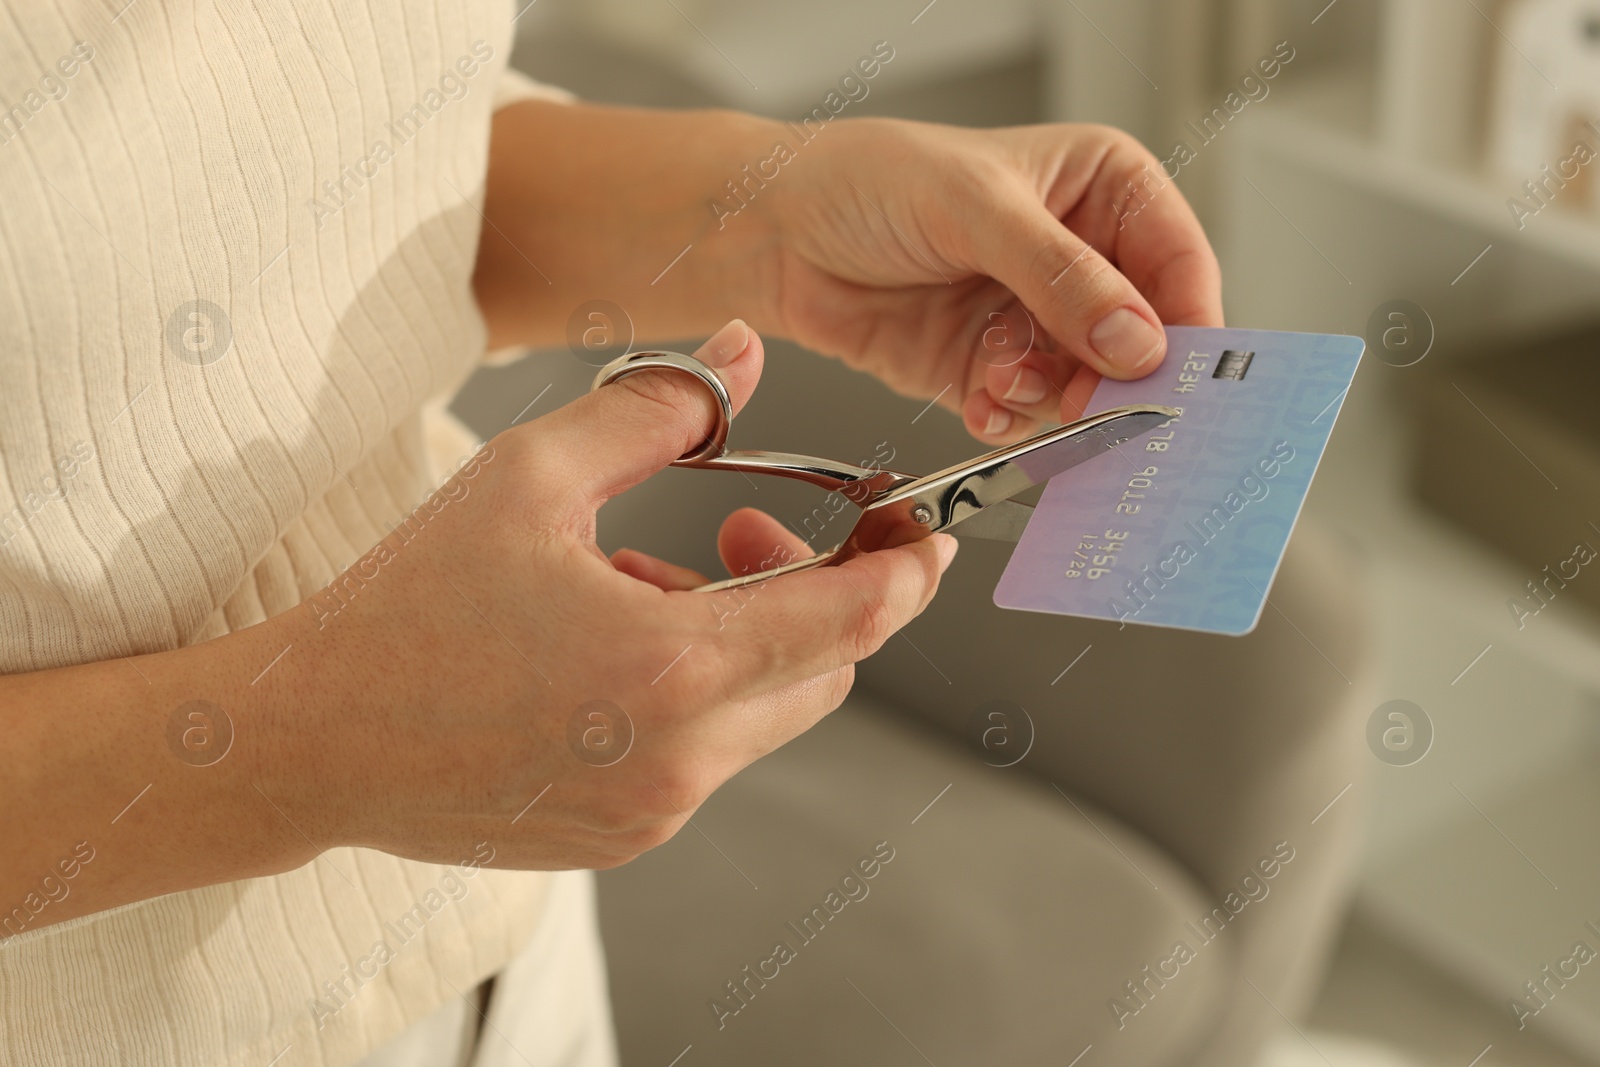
(717, 440)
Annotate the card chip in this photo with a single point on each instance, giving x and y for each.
(1233, 364)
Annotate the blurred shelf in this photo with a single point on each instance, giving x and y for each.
(1429, 563)
(1323, 124)
(1427, 568)
(1466, 846)
(780, 59)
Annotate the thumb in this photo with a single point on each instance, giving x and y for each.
(1076, 293)
(612, 439)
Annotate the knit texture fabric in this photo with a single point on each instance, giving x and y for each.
(236, 245)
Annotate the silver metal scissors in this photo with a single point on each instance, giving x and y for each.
(899, 508)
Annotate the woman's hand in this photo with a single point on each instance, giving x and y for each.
(984, 267)
(506, 682)
(987, 267)
(485, 676)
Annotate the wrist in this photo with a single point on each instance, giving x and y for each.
(300, 689)
(234, 710)
(809, 199)
(139, 776)
(625, 201)
(744, 208)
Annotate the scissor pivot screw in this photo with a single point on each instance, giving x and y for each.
(922, 513)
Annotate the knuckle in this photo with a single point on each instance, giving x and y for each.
(608, 858)
(867, 632)
(1081, 278)
(649, 820)
(977, 174)
(1117, 140)
(678, 789)
(612, 814)
(639, 841)
(626, 811)
(670, 397)
(661, 791)
(1096, 288)
(1097, 281)
(625, 846)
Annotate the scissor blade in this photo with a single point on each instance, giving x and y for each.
(990, 480)
(1004, 521)
(957, 494)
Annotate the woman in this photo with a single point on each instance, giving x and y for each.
(293, 743)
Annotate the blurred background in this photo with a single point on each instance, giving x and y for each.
(1414, 176)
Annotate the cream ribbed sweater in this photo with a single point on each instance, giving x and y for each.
(169, 473)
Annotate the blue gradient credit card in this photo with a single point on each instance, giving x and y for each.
(1186, 526)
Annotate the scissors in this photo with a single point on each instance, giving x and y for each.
(899, 508)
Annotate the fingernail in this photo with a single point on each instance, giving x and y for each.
(1028, 387)
(1126, 340)
(722, 346)
(947, 546)
(999, 419)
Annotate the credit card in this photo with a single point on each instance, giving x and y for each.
(1185, 526)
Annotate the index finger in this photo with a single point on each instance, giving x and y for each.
(798, 626)
(1140, 219)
